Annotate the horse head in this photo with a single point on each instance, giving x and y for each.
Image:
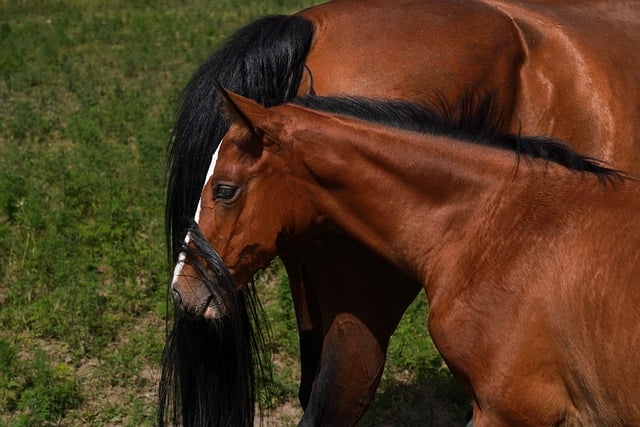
(249, 177)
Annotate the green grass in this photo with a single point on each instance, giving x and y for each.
(88, 91)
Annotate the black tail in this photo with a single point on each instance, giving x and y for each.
(201, 384)
(263, 61)
(215, 361)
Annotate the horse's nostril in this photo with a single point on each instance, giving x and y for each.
(177, 298)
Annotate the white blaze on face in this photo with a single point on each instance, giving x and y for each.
(182, 256)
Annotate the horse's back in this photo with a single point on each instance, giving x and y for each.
(566, 69)
(413, 50)
(582, 61)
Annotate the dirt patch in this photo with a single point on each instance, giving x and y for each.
(288, 414)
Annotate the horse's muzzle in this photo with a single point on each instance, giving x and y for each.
(195, 300)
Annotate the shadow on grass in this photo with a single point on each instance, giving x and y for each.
(429, 398)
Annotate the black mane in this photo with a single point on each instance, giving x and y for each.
(475, 120)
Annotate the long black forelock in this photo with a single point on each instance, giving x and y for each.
(211, 271)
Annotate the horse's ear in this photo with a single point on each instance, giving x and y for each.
(244, 111)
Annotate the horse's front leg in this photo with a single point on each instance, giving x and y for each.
(348, 303)
(342, 366)
(309, 320)
(349, 371)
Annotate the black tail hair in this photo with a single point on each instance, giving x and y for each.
(203, 382)
(263, 61)
(231, 346)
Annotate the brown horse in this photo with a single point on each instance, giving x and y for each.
(530, 263)
(566, 69)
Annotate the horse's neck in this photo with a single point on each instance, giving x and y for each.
(404, 195)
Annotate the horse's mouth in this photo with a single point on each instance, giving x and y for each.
(214, 309)
(210, 307)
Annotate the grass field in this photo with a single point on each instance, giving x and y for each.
(88, 92)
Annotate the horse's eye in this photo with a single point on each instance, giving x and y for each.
(225, 192)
